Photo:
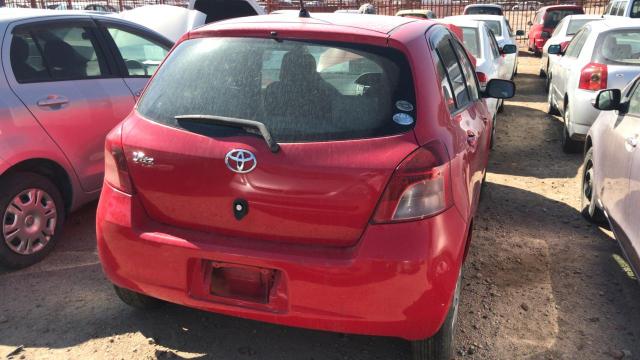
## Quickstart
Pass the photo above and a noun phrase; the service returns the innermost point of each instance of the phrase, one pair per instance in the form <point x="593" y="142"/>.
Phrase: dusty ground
<point x="540" y="282"/>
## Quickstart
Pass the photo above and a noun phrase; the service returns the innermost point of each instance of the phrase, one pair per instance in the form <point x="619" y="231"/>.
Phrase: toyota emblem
<point x="240" y="161"/>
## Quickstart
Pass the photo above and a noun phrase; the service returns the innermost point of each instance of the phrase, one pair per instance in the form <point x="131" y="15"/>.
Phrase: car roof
<point x="480" y="17"/>
<point x="13" y="14"/>
<point x="583" y="17"/>
<point x="354" y="23"/>
<point x="613" y="24"/>
<point x="559" y="7"/>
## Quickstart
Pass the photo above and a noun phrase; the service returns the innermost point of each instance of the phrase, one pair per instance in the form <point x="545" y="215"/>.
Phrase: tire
<point x="137" y="300"/>
<point x="542" y="74"/>
<point x="493" y="135"/>
<point x="441" y="345"/>
<point x="569" y="145"/>
<point x="590" y="209"/>
<point x="551" y="109"/>
<point x="32" y="212"/>
<point x="547" y="83"/>
<point x="501" y="107"/>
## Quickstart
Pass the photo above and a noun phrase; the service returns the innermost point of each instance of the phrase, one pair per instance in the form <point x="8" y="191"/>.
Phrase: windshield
<point x="483" y="10"/>
<point x="575" y="25"/>
<point x="620" y="47"/>
<point x="301" y="91"/>
<point x="553" y="17"/>
<point x="471" y="41"/>
<point x="494" y="26"/>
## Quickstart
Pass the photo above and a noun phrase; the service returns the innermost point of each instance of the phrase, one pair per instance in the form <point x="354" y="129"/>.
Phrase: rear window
<point x="575" y="25"/>
<point x="553" y="17"/>
<point x="494" y="26"/>
<point x="483" y="10"/>
<point x="471" y="41"/>
<point x="619" y="47"/>
<point x="301" y="91"/>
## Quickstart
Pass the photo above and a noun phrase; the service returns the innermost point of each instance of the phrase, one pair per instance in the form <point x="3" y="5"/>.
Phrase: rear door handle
<point x="53" y="100"/>
<point x="632" y="141"/>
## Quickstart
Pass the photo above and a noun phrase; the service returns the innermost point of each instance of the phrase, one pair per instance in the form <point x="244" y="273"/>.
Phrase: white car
<point x="503" y="33"/>
<point x="562" y="35"/>
<point x="602" y="55"/>
<point x="173" y="21"/>
<point x="626" y="8"/>
<point x="480" y="42"/>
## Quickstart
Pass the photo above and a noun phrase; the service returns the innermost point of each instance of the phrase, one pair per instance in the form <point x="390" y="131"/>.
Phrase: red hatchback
<point x="545" y="22"/>
<point x="317" y="172"/>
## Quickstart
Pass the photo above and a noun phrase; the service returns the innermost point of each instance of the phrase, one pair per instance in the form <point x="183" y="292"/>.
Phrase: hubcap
<point x="29" y="221"/>
<point x="587" y="187"/>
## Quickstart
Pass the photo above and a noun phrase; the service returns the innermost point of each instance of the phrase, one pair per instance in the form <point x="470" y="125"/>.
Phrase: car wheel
<point x="440" y="345"/>
<point x="32" y="213"/>
<point x="493" y="134"/>
<point x="551" y="108"/>
<point x="547" y="82"/>
<point x="501" y="106"/>
<point x="590" y="209"/>
<point x="137" y="300"/>
<point x="541" y="74"/>
<point x="569" y="145"/>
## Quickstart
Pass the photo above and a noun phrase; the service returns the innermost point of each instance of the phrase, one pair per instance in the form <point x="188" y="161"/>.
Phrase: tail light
<point x="116" y="173"/>
<point x="420" y="187"/>
<point x="482" y="78"/>
<point x="594" y="77"/>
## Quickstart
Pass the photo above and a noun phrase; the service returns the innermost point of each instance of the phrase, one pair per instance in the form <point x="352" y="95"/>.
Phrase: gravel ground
<point x="540" y="282"/>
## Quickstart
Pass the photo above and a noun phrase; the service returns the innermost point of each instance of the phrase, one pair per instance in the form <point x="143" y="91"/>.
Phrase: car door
<point x="138" y="52"/>
<point x="468" y="111"/>
<point x="62" y="73"/>
<point x="499" y="61"/>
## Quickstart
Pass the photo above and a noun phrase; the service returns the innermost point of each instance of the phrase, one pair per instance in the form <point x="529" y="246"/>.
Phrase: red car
<point x="317" y="172"/>
<point x="545" y="21"/>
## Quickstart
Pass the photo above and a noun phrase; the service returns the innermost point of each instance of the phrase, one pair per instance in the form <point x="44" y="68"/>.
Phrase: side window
<point x="573" y="50"/>
<point x="607" y="10"/>
<point x="141" y="55"/>
<point x="635" y="9"/>
<point x="468" y="70"/>
<point x="495" y="49"/>
<point x="454" y="70"/>
<point x="64" y="52"/>
<point x="445" y="84"/>
<point x="27" y="63"/>
<point x="634" y="102"/>
<point x="622" y="8"/>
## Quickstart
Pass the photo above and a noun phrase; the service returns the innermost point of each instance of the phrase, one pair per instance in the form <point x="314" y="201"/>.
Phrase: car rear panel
<point x="308" y="193"/>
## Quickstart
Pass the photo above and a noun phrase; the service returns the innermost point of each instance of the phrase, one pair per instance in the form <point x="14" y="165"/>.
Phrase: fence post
<point x="120" y="5"/>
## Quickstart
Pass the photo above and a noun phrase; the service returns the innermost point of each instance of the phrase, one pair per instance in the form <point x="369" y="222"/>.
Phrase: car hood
<point x="169" y="21"/>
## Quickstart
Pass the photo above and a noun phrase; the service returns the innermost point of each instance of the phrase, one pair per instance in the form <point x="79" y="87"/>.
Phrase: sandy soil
<point x="540" y="282"/>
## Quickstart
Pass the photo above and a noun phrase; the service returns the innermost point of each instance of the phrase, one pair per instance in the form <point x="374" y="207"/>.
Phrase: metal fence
<point x="519" y="12"/>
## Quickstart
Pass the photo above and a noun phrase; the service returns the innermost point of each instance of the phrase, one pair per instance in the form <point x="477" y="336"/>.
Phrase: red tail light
<point x="116" y="173"/>
<point x="482" y="78"/>
<point x="420" y="187"/>
<point x="593" y="77"/>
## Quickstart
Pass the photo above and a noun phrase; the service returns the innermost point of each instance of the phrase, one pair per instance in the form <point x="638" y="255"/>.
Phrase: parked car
<point x="68" y="79"/>
<point x="481" y="43"/>
<point x="611" y="172"/>
<point x="101" y="8"/>
<point x="545" y="22"/>
<point x="603" y="54"/>
<point x="417" y="13"/>
<point x="483" y="9"/>
<point x="527" y="6"/>
<point x="501" y="28"/>
<point x="623" y="8"/>
<point x="174" y="21"/>
<point x="294" y="168"/>
<point x="562" y="35"/>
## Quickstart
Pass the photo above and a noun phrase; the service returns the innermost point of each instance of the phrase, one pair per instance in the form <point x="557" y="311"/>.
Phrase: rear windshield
<point x="301" y="91"/>
<point x="494" y="26"/>
<point x="471" y="41"/>
<point x="483" y="10"/>
<point x="575" y="25"/>
<point x="619" y="47"/>
<point x="553" y="17"/>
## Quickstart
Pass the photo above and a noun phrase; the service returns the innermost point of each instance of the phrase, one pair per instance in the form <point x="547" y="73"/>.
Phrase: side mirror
<point x="520" y="33"/>
<point x="608" y="100"/>
<point x="509" y="49"/>
<point x="555" y="49"/>
<point x="499" y="89"/>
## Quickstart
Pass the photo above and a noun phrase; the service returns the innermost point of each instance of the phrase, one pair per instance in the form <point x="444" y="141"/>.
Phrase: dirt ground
<point x="540" y="282"/>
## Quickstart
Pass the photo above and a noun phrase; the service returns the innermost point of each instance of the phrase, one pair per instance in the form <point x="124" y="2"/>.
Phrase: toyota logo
<point x="240" y="161"/>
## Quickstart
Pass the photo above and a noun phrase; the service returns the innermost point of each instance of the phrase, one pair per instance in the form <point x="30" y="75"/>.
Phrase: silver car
<point x="68" y="78"/>
<point x="602" y="55"/>
<point x="611" y="175"/>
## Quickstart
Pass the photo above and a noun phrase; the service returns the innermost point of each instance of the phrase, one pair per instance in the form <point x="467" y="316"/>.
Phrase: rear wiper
<point x="247" y="125"/>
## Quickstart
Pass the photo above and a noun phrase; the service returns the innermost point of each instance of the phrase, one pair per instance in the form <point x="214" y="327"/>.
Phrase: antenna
<point x="303" y="11"/>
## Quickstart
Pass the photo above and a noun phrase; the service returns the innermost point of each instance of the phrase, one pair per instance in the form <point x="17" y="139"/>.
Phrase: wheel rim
<point x="587" y="183"/>
<point x="29" y="221"/>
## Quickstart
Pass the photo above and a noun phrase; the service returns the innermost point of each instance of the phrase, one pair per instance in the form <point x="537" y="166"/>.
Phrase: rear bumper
<point x="398" y="281"/>
<point x="583" y="114"/>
